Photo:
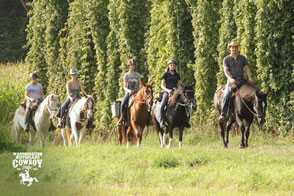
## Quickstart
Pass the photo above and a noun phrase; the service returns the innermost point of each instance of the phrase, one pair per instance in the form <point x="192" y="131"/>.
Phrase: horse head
<point x="52" y="105"/>
<point x="88" y="105"/>
<point x="260" y="106"/>
<point x="147" y="94"/>
<point x="186" y="94"/>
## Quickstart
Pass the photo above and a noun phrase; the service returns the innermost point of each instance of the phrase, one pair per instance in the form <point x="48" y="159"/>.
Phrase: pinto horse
<point x="248" y="102"/>
<point x="77" y="119"/>
<point x="44" y="112"/>
<point x="182" y="102"/>
<point x="138" y="111"/>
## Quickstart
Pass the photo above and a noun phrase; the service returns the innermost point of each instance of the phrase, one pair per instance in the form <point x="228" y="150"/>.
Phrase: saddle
<point x="66" y="119"/>
<point x="159" y="96"/>
<point x="33" y="107"/>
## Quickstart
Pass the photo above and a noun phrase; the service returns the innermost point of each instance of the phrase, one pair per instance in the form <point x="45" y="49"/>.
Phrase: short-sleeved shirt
<point x="235" y="65"/>
<point x="34" y="90"/>
<point x="171" y="80"/>
<point x="133" y="80"/>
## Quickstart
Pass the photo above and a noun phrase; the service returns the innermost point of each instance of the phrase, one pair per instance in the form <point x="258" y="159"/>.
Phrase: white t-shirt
<point x="34" y="90"/>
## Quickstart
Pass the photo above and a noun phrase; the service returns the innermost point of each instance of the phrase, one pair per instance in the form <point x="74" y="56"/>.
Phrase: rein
<point x="85" y="110"/>
<point x="254" y="113"/>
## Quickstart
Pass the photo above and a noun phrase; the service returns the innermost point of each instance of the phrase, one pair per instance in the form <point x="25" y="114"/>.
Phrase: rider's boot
<point x="60" y="123"/>
<point x="223" y="116"/>
<point x="90" y="124"/>
<point x="52" y="126"/>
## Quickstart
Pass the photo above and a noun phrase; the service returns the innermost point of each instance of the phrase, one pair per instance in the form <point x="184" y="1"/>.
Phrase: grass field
<point x="94" y="168"/>
<point x="201" y="167"/>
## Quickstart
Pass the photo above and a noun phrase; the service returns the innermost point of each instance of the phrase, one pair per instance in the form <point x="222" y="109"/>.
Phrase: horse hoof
<point x="225" y="147"/>
<point x="241" y="146"/>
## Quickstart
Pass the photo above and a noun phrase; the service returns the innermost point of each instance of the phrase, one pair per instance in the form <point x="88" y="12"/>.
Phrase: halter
<point x="48" y="106"/>
<point x="85" y="110"/>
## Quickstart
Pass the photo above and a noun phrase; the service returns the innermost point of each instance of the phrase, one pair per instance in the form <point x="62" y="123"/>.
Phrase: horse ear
<point x="143" y="83"/>
<point x="152" y="83"/>
<point x="93" y="94"/>
<point x="85" y="95"/>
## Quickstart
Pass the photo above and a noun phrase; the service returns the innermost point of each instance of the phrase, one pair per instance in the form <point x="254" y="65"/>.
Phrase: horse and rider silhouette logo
<point x="26" y="178"/>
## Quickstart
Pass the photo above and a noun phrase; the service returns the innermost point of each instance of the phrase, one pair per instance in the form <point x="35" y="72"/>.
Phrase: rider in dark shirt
<point x="169" y="80"/>
<point x="233" y="65"/>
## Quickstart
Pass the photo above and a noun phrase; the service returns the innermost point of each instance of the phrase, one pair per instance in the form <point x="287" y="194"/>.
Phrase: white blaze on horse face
<point x="90" y="112"/>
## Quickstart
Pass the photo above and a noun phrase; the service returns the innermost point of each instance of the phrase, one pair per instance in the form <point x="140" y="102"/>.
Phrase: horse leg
<point x="181" y="130"/>
<point x="170" y="132"/>
<point x="82" y="132"/>
<point x="42" y="137"/>
<point x="127" y="134"/>
<point x="138" y="134"/>
<point x="141" y="133"/>
<point x="32" y="137"/>
<point x="75" y="133"/>
<point x="222" y="130"/>
<point x="229" y="125"/>
<point x="64" y="136"/>
<point x="247" y="132"/>
<point x="241" y="125"/>
<point x="119" y="134"/>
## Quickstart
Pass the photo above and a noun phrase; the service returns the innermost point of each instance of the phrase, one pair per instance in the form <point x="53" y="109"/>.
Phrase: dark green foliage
<point x="205" y="17"/>
<point x="170" y="37"/>
<point x="13" y="21"/>
<point x="275" y="56"/>
<point x="227" y="32"/>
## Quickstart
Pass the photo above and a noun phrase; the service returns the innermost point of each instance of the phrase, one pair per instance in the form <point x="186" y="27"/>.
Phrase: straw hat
<point x="233" y="43"/>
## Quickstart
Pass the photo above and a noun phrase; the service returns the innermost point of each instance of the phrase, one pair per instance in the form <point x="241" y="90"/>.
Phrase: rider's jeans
<point x="227" y="96"/>
<point x="163" y="104"/>
<point x="64" y="107"/>
<point x="123" y="102"/>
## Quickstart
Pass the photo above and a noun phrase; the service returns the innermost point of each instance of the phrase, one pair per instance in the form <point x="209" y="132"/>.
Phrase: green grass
<point x="96" y="168"/>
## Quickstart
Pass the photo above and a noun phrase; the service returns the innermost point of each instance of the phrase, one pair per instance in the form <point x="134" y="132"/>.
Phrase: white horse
<point x="79" y="114"/>
<point x="44" y="112"/>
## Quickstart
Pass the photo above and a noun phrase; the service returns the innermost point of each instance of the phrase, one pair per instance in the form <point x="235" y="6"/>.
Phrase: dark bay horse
<point x="138" y="111"/>
<point x="248" y="102"/>
<point x="177" y="114"/>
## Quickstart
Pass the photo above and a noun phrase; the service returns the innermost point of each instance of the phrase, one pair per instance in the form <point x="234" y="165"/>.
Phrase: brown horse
<point x="246" y="102"/>
<point x="141" y="105"/>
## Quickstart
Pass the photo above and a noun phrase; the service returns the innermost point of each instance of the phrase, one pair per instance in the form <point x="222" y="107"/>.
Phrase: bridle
<point x="49" y="109"/>
<point x="187" y="101"/>
<point x="147" y="96"/>
<point x="85" y="109"/>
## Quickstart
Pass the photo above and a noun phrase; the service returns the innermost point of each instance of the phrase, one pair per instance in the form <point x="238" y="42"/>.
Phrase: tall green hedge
<point x="98" y="36"/>
<point x="205" y="23"/>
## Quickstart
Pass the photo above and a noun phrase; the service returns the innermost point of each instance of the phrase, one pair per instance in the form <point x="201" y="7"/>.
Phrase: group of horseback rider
<point x="233" y="65"/>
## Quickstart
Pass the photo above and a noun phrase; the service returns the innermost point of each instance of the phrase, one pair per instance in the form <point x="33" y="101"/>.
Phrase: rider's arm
<point x="125" y="86"/>
<point x="82" y="88"/>
<point x="228" y="75"/>
<point x="42" y="94"/>
<point x="164" y="87"/>
<point x="248" y="72"/>
<point x="179" y="83"/>
<point x="140" y="83"/>
<point x="68" y="91"/>
<point x="27" y="95"/>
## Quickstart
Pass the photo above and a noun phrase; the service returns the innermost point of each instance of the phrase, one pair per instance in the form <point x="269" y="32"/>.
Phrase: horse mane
<point x="138" y="95"/>
<point x="176" y="94"/>
<point x="247" y="91"/>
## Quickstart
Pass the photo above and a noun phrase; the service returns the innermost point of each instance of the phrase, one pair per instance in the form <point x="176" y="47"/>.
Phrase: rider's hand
<point x="170" y="91"/>
<point x="71" y="99"/>
<point x="232" y="80"/>
<point x="251" y="81"/>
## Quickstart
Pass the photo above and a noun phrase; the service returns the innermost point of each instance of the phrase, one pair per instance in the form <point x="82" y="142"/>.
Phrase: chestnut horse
<point x="248" y="102"/>
<point x="141" y="105"/>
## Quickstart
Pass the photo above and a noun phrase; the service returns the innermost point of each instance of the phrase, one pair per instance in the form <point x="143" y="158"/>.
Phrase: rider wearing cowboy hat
<point x="34" y="92"/>
<point x="233" y="65"/>
<point x="73" y="88"/>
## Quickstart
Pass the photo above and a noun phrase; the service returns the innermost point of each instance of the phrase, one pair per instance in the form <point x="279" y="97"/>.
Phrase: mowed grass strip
<point x="108" y="168"/>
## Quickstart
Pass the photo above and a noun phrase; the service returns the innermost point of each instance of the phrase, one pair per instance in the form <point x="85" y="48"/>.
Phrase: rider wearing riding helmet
<point x="169" y="81"/>
<point x="34" y="93"/>
<point x="132" y="84"/>
<point x="73" y="88"/>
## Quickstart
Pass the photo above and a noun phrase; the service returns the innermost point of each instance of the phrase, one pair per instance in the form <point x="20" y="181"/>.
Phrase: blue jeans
<point x="123" y="102"/>
<point x="163" y="104"/>
<point x="227" y="96"/>
<point x="64" y="107"/>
